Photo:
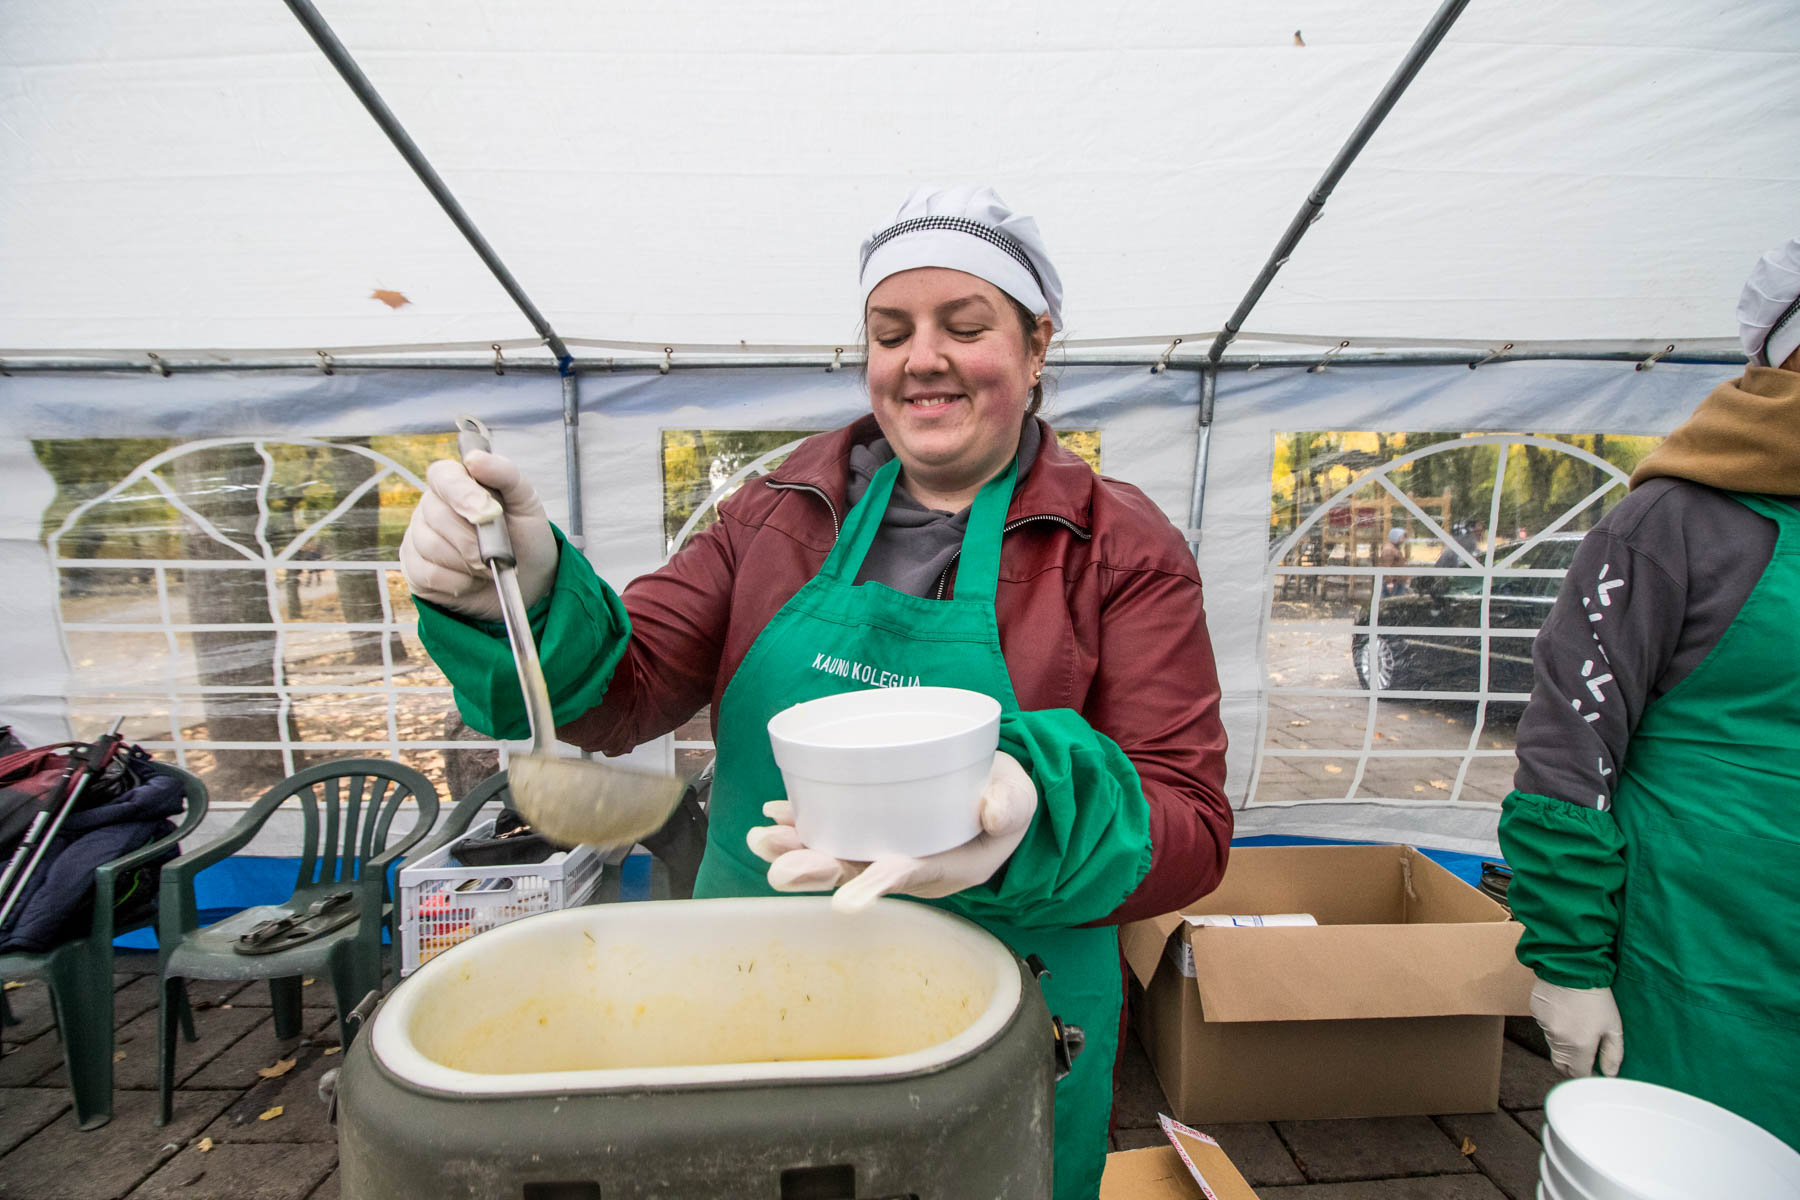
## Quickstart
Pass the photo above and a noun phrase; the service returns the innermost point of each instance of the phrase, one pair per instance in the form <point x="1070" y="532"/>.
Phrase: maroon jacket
<point x="1099" y="609"/>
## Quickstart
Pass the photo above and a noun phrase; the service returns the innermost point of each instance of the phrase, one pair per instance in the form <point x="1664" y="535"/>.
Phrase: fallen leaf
<point x="281" y="1067"/>
<point x="1333" y="769"/>
<point x="1379" y="735"/>
<point x="224" y="1006"/>
<point x="271" y="1114"/>
<point x="205" y="1145"/>
<point x="389" y="298"/>
<point x="307" y="982"/>
<point x="13" y="983"/>
<point x="1329" y="678"/>
<point x="332" y="1049"/>
<point x="1418" y="787"/>
<point x="1298" y="723"/>
<point x="1442" y="785"/>
<point x="118" y="1056"/>
<point x="1402" y="717"/>
<point x="1468" y="1147"/>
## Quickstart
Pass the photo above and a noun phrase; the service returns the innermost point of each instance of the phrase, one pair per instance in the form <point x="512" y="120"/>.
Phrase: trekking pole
<point x="82" y="767"/>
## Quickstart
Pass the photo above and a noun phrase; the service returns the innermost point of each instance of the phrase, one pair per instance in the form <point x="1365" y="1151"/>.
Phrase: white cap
<point x="1396" y="535"/>
<point x="967" y="229"/>
<point x="1768" y="311"/>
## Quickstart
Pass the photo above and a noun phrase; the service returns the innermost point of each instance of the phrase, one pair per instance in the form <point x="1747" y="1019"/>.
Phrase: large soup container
<point x="766" y="1048"/>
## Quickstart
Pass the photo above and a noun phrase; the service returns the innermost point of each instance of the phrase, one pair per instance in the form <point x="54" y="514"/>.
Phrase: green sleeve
<point x="581" y="632"/>
<point x="1568" y="865"/>
<point x="1088" y="846"/>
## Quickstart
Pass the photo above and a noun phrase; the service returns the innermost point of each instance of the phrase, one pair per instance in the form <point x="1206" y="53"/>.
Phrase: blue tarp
<point x="245" y="880"/>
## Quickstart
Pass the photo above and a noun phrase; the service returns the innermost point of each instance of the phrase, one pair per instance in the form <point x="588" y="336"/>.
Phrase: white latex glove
<point x="1007" y="805"/>
<point x="1578" y="1022"/>
<point x="439" y="556"/>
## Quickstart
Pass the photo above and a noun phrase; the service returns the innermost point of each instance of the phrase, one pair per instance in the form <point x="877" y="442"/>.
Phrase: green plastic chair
<point x="347" y="807"/>
<point x="79" y="972"/>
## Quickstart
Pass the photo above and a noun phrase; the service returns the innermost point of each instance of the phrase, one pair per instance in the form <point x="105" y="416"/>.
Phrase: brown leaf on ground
<point x="13" y="983"/>
<point x="281" y="1067"/>
<point x="118" y="1056"/>
<point x="1333" y="769"/>
<point x="1299" y="723"/>
<point x="1442" y="785"/>
<point x="390" y="298"/>
<point x="205" y="1145"/>
<point x="1468" y="1147"/>
<point x="332" y="1049"/>
<point x="271" y="1114"/>
<point x="307" y="982"/>
<point x="1402" y="717"/>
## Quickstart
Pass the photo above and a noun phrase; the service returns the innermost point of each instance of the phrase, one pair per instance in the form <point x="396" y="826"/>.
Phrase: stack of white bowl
<point x="1618" y="1139"/>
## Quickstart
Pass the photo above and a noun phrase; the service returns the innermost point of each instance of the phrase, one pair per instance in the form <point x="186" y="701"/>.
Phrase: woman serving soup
<point x="946" y="532"/>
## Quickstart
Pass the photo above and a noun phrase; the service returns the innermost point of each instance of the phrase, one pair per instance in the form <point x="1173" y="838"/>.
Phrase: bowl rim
<point x="393" y="1048"/>
<point x="781" y="725"/>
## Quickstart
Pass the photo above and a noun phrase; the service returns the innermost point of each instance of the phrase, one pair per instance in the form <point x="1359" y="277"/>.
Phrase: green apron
<point x="1708" y="982"/>
<point x="947" y="643"/>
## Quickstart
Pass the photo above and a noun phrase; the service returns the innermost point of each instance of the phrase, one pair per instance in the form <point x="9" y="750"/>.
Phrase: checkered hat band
<point x="960" y="225"/>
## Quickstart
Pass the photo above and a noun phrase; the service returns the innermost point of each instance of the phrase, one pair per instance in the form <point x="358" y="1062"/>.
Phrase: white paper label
<point x="1249" y="920"/>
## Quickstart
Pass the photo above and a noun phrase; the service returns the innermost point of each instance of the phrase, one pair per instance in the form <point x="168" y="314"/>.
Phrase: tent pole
<point x="415" y="158"/>
<point x="572" y="456"/>
<point x="106" y="361"/>
<point x="1315" y="203"/>
<point x="1209" y="388"/>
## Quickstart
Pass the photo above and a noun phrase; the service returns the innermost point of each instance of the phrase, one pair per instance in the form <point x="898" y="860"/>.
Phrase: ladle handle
<point x="497" y="552"/>
<point x="490" y="535"/>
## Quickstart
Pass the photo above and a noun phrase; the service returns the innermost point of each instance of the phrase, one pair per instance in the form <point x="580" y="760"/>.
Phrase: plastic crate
<point x="443" y="903"/>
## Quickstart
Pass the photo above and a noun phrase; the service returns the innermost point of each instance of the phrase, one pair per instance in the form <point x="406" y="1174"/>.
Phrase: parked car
<point x="1410" y="662"/>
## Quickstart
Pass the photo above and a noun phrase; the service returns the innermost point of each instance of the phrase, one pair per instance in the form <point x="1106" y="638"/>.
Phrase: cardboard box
<point x="1394" y="1004"/>
<point x="1191" y="1167"/>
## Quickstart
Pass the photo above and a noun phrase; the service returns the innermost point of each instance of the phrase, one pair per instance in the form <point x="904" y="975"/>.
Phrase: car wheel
<point x="1377" y="662"/>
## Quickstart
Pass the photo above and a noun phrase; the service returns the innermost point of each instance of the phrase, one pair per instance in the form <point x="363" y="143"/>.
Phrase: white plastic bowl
<point x="1621" y="1139"/>
<point x="887" y="770"/>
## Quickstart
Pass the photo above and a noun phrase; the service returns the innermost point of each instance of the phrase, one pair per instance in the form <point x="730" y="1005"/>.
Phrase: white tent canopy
<point x="195" y="175"/>
<point x="196" y="182"/>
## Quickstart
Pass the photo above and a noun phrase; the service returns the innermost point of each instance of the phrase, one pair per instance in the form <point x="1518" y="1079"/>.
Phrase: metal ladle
<point x="569" y="800"/>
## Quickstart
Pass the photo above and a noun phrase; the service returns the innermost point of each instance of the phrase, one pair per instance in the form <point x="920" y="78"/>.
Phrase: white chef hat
<point x="967" y="229"/>
<point x="1768" y="311"/>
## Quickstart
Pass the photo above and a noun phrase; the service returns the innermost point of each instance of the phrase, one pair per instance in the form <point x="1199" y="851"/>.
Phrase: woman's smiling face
<point x="950" y="375"/>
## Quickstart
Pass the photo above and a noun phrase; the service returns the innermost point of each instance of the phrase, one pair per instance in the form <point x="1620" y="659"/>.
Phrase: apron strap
<point x="977" y="576"/>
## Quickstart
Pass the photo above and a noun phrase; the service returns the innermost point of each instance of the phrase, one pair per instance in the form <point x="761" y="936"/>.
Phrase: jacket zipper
<point x="820" y="493"/>
<point x="1078" y="531"/>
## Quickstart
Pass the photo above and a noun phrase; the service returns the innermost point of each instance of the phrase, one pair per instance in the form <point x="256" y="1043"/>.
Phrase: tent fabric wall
<point x="1148" y="425"/>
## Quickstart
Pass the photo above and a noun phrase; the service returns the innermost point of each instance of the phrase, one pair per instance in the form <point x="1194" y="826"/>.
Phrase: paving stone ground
<point x="43" y="1156"/>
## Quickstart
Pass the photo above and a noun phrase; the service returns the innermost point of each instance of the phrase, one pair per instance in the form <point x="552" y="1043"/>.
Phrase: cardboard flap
<point x="1142" y="943"/>
<point x="1345" y="972"/>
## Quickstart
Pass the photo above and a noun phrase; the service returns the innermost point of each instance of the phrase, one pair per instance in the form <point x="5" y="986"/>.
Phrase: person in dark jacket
<point x="1654" y="829"/>
<point x="945" y="538"/>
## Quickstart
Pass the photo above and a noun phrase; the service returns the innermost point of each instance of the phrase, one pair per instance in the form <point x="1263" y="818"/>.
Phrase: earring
<point x="1036" y="375"/>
